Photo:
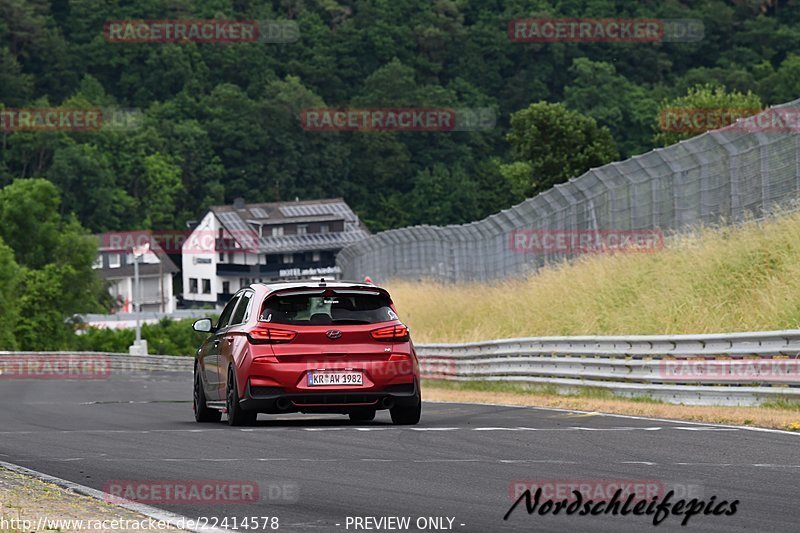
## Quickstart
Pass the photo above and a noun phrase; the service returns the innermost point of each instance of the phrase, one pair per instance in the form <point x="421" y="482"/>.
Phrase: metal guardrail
<point x="111" y="362"/>
<point x="719" y="369"/>
<point x="178" y="314"/>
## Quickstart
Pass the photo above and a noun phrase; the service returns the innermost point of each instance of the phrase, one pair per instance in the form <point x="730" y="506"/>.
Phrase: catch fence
<point x="721" y="176"/>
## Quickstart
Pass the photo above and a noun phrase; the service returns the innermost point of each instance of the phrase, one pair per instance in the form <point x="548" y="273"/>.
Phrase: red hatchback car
<point x="310" y="347"/>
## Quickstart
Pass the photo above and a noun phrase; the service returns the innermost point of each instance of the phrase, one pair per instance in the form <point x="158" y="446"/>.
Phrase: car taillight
<point x="397" y="333"/>
<point x="270" y="335"/>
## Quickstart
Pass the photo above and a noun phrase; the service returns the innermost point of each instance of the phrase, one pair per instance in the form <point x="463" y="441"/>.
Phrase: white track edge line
<point x="173" y="519"/>
<point x="633" y="417"/>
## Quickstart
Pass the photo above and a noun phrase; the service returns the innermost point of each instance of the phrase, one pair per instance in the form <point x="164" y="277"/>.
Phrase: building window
<point x="324" y="228"/>
<point x="302" y="229"/>
<point x="114" y="260"/>
<point x="226" y="287"/>
<point x="206" y="286"/>
<point x="287" y="259"/>
<point x="277" y="231"/>
<point x="230" y="257"/>
<point x="221" y="257"/>
<point x="262" y="258"/>
<point x="193" y="285"/>
<point x="315" y="257"/>
<point x="98" y="262"/>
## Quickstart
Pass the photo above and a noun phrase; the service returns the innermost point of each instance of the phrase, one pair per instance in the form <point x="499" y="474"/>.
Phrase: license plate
<point x="334" y="378"/>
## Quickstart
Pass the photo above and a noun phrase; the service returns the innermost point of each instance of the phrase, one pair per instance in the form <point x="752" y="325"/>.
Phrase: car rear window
<point x="328" y="307"/>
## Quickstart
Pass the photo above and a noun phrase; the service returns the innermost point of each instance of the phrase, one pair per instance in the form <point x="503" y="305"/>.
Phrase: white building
<point x="235" y="245"/>
<point x="156" y="270"/>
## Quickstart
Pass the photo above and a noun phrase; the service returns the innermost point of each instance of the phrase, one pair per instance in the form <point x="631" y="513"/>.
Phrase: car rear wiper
<point x="350" y="321"/>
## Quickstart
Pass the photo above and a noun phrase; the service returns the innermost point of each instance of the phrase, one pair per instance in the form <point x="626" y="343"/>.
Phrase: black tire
<point x="201" y="412"/>
<point x="404" y="415"/>
<point x="236" y="415"/>
<point x="362" y="415"/>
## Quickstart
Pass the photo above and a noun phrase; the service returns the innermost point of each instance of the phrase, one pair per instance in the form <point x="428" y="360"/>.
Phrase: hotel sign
<point x="294" y="272"/>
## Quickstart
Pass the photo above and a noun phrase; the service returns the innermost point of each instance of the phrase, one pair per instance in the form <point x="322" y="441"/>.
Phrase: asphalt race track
<point x="314" y="471"/>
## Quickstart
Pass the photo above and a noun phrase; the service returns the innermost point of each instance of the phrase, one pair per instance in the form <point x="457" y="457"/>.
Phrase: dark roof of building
<point x="242" y="221"/>
<point x="166" y="265"/>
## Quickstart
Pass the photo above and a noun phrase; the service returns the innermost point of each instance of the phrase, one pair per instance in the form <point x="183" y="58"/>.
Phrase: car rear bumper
<point x="277" y="400"/>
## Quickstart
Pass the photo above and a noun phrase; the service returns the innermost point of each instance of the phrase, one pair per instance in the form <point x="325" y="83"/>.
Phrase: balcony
<point x="223" y="298"/>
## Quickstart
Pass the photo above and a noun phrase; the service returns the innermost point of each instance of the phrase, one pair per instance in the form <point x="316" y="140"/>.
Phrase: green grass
<point x="596" y="393"/>
<point x="786" y="405"/>
<point x="715" y="280"/>
<point x="167" y="337"/>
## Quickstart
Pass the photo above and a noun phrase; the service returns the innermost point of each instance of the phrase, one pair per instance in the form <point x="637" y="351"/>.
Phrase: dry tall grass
<point x="742" y="278"/>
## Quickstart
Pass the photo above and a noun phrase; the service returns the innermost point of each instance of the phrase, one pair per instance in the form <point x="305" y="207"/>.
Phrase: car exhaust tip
<point x="387" y="403"/>
<point x="282" y="404"/>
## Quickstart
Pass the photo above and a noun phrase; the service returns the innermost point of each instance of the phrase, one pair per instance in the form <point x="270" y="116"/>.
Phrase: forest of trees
<point x="220" y="121"/>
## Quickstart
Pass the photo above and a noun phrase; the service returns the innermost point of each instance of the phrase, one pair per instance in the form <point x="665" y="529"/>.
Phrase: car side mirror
<point x="203" y="325"/>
